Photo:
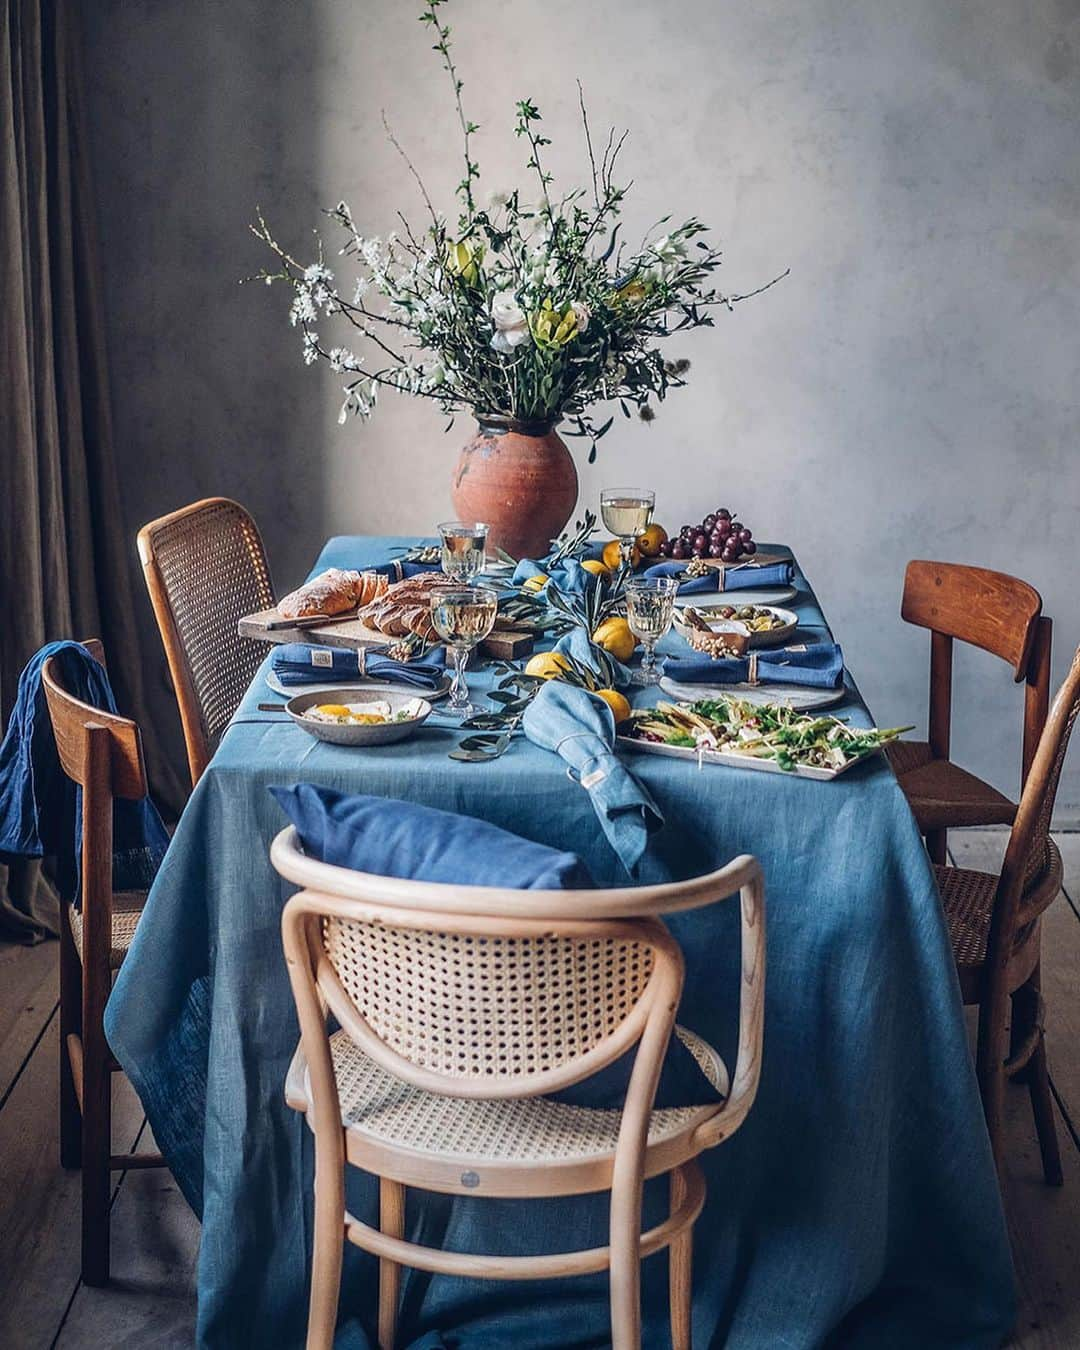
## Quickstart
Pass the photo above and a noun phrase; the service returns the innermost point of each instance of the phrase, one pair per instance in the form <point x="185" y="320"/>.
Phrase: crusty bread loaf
<point x="405" y="607"/>
<point x="334" y="591"/>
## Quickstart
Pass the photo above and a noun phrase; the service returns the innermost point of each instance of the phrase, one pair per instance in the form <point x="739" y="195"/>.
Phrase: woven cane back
<point x="1043" y="784"/>
<point x="206" y="569"/>
<point x="488" y="1008"/>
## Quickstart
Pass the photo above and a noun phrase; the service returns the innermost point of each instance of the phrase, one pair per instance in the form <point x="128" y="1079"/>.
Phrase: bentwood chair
<point x="205" y="569"/>
<point x="994" y="924"/>
<point x="456" y="1008"/>
<point x="1003" y="616"/>
<point x="102" y="753"/>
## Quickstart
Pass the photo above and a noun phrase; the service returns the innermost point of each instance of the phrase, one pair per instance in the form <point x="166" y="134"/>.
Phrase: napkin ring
<point x="751" y="669"/>
<point x="361" y="661"/>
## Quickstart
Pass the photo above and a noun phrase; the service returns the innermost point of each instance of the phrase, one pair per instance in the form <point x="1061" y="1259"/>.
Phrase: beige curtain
<point x="63" y="548"/>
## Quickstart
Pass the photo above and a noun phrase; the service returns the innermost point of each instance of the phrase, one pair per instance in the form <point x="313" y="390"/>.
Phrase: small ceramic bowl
<point x="774" y="637"/>
<point x="345" y="733"/>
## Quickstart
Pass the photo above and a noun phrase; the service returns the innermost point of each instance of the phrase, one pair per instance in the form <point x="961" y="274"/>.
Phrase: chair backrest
<point x="481" y="992"/>
<point x="206" y="568"/>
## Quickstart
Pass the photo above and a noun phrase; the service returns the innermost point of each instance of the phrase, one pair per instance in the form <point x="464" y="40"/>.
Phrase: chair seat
<point x="448" y="1138"/>
<point x="941" y="794"/>
<point x="127" y="909"/>
<point x="968" y="900"/>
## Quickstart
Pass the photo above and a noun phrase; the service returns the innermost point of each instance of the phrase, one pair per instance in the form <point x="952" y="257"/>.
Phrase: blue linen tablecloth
<point x="856" y="1207"/>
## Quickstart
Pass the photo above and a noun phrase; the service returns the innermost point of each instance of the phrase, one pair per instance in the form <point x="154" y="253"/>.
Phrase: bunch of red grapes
<point x="718" y="536"/>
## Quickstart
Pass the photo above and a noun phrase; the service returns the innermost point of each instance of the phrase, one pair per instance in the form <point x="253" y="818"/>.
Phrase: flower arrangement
<point x="532" y="310"/>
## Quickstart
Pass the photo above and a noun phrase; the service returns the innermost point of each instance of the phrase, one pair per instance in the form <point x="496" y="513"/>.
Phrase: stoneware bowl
<point x="384" y="733"/>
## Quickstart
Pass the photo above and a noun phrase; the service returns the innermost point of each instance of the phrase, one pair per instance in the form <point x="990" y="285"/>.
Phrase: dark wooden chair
<point x="1003" y="616"/>
<point x="205" y="569"/>
<point x="994" y="925"/>
<point x="103" y="754"/>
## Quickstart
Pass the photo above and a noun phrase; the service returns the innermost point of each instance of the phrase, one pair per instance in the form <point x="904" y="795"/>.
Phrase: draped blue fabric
<point x="857" y="1206"/>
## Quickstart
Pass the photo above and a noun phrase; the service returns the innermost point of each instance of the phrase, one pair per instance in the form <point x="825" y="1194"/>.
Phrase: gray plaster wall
<point x="910" y="390"/>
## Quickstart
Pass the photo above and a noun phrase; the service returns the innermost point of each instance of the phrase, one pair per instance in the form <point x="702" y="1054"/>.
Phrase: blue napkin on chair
<point x="299" y="663"/>
<point x="580" y="728"/>
<point x="732" y="577"/>
<point x="576" y="643"/>
<point x="820" y="666"/>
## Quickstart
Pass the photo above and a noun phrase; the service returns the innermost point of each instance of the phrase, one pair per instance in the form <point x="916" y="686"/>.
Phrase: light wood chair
<point x="102" y="753"/>
<point x="458" y="1007"/>
<point x="994" y="925"/>
<point x="1003" y="616"/>
<point x="205" y="569"/>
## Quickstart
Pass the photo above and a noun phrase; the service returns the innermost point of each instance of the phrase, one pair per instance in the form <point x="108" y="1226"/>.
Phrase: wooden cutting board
<point x="341" y="631"/>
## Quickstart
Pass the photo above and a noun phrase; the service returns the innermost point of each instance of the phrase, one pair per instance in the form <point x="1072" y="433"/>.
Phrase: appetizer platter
<point x="801" y="697"/>
<point x="763" y="625"/>
<point x="347" y="717"/>
<point x="769" y="737"/>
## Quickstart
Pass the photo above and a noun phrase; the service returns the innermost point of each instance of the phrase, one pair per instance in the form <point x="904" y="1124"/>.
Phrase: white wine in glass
<point x="463" y="616"/>
<point x="464" y="545"/>
<point x="650" y="605"/>
<point x="626" y="512"/>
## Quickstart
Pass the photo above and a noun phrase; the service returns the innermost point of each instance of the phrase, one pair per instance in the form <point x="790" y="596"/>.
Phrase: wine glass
<point x="626" y="513"/>
<point x="463" y="616"/>
<point x="650" y="603"/>
<point x="464" y="544"/>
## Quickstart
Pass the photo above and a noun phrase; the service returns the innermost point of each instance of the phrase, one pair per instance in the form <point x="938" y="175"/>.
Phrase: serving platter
<point x="773" y="637"/>
<point x="801" y="697"/>
<point x="738" y="595"/>
<point x="360" y="686"/>
<point x="727" y="759"/>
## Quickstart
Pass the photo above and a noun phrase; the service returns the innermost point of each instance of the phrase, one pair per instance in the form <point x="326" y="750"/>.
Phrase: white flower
<point x="316" y="273"/>
<point x="511" y="325"/>
<point x="582" y="313"/>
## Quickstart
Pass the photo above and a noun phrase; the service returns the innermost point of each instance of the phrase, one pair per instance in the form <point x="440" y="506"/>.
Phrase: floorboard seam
<point x="1066" y="1117"/>
<point x="28" y="1056"/>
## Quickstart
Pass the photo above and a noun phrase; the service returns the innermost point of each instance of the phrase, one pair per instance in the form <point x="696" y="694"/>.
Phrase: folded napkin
<point x="731" y="577"/>
<point x="576" y="644"/>
<point x="569" y="575"/>
<point x="820" y="666"/>
<point x="397" y="569"/>
<point x="298" y="663"/>
<point x="581" y="729"/>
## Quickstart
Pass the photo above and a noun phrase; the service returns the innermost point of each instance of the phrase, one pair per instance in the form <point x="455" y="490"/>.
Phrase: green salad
<point x="765" y="731"/>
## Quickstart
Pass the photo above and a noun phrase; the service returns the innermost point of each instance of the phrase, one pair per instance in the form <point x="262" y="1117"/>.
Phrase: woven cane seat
<point x="941" y="794"/>
<point x="127" y="910"/>
<point x="469" y="1133"/>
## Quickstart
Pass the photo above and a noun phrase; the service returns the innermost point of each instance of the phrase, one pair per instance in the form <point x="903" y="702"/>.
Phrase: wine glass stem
<point x="459" y="690"/>
<point x="626" y="548"/>
<point x="648" y="660"/>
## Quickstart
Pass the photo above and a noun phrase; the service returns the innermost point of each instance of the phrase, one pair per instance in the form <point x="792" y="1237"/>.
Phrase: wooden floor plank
<point x="28" y="993"/>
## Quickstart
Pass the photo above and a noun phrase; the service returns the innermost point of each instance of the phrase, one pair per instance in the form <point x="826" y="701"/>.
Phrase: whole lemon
<point x="618" y="703"/>
<point x="612" y="556"/>
<point x="614" y="636"/>
<point x="536" y="583"/>
<point x="596" y="567"/>
<point x="547" y="665"/>
<point x="649" y="542"/>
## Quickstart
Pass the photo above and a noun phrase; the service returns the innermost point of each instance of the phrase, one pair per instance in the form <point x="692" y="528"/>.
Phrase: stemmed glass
<point x="463" y="616"/>
<point x="626" y="513"/>
<point x="650" y="603"/>
<point x="464" y="544"/>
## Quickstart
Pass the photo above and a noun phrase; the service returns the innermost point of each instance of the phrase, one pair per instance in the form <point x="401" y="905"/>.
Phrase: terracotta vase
<point x="520" y="478"/>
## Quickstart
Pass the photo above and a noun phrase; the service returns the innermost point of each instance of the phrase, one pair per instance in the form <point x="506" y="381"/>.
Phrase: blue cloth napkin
<point x="299" y="663"/>
<point x="41" y="809"/>
<point x="576" y="643"/>
<point x="820" y="666"/>
<point x="581" y="729"/>
<point x="734" y="577"/>
<point x="569" y="575"/>
<point x="397" y="569"/>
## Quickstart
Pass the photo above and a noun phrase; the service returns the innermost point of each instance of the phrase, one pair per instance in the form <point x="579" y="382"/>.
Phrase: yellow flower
<point x="632" y="292"/>
<point x="550" y="328"/>
<point x="464" y="259"/>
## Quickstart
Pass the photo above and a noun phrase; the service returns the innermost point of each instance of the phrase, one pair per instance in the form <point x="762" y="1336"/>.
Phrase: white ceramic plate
<point x="748" y="595"/>
<point x="381" y="733"/>
<point x="360" y="687"/>
<point x="727" y="760"/>
<point x="797" y="696"/>
<point x="773" y="638"/>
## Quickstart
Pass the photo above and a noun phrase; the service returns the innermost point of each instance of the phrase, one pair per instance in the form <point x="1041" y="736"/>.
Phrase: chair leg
<point x="70" y="1025"/>
<point x="328" y="1251"/>
<point x="625" y="1244"/>
<point x="392" y="1223"/>
<point x="680" y="1270"/>
<point x="990" y="1071"/>
<point x="96" y="1147"/>
<point x="1042" y="1106"/>
<point x="936" y="845"/>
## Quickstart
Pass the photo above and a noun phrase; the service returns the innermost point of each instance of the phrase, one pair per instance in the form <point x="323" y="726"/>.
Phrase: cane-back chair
<point x="456" y="1008"/>
<point x="102" y="753"/>
<point x="1003" y="616"/>
<point x="994" y="924"/>
<point x="205" y="569"/>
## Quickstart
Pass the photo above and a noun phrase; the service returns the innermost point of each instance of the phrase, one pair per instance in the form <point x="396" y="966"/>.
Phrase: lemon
<point x="612" y="556"/>
<point x="596" y="567"/>
<point x="618" y="703"/>
<point x="536" y="583"/>
<point x="547" y="665"/>
<point x="649" y="543"/>
<point x="614" y="636"/>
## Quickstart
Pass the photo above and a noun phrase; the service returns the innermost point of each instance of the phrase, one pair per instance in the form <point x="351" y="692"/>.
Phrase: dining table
<point x="857" y="1206"/>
